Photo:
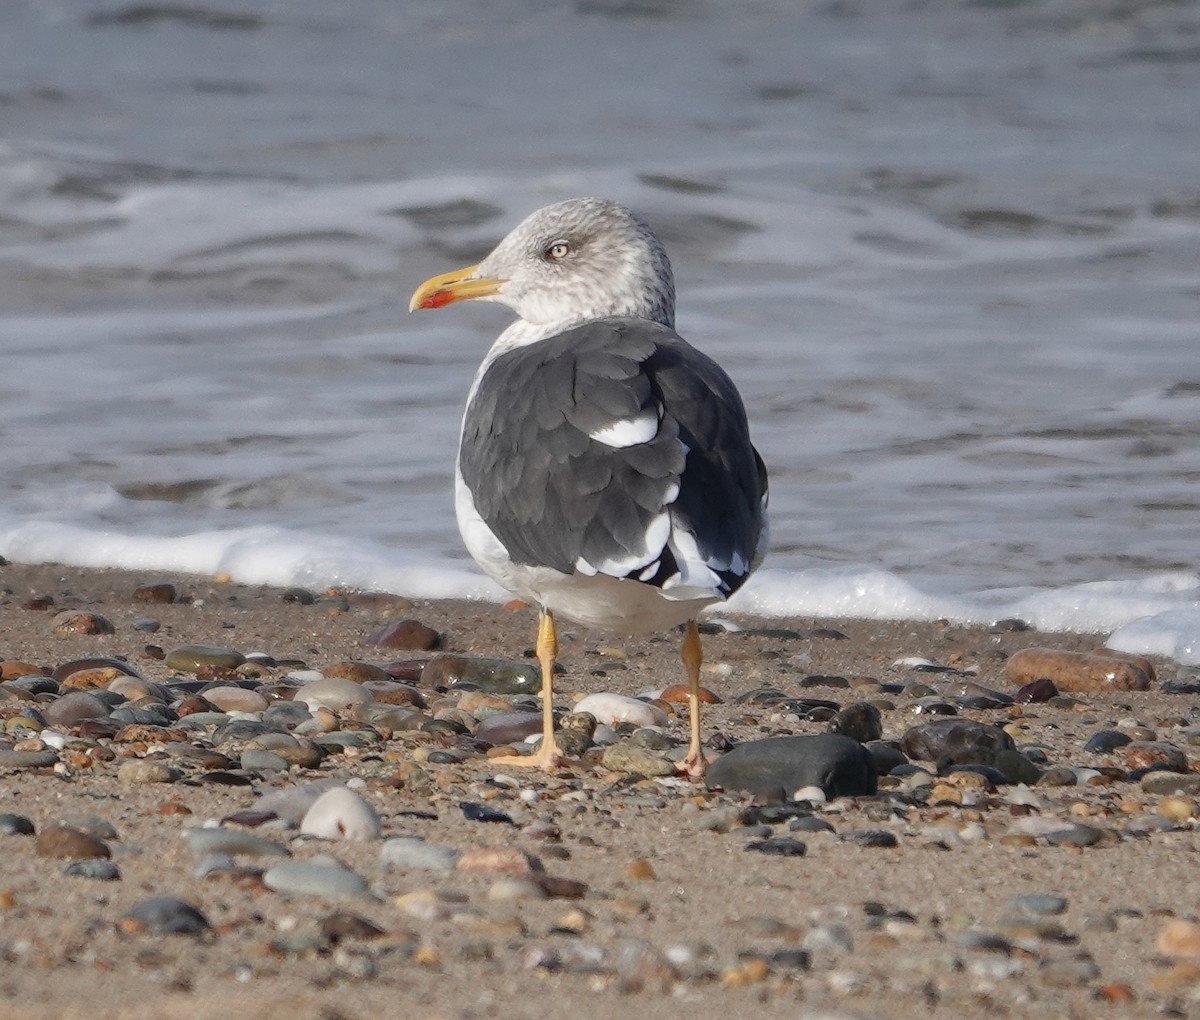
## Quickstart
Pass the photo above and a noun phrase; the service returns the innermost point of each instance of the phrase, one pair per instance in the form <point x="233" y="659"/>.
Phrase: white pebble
<point x="341" y="814"/>
<point x="610" y="709"/>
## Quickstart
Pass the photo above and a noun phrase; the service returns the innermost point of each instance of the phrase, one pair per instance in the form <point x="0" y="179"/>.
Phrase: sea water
<point x="950" y="253"/>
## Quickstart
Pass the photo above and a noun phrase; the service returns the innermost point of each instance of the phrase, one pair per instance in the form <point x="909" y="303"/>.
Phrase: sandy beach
<point x="639" y="894"/>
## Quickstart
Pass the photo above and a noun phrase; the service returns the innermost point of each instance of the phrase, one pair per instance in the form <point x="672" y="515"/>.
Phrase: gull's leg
<point x="547" y="756"/>
<point x="692" y="655"/>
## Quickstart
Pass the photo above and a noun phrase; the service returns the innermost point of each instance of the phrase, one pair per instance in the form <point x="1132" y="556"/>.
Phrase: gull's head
<point x="571" y="262"/>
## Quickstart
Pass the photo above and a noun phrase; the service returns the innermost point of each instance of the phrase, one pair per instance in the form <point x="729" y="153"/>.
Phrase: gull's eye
<point x="557" y="251"/>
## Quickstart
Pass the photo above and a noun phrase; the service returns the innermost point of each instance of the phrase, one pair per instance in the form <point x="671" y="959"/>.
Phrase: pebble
<point x="138" y="771"/>
<point x="840" y="766"/>
<point x="221" y="840"/>
<point x="495" y="676"/>
<point x="235" y="699"/>
<point x="194" y="658"/>
<point x="1179" y="938"/>
<point x="333" y="692"/>
<point x="74" y="621"/>
<point x="861" y="721"/>
<point x="509" y="727"/>
<point x="314" y="878"/>
<point x="413" y="852"/>
<point x="612" y="709"/>
<point x="292" y="803"/>
<point x="1106" y="741"/>
<point x="778" y="847"/>
<point x="407" y="634"/>
<point x="502" y="859"/>
<point x="165" y="915"/>
<point x="955" y="740"/>
<point x="341" y="813"/>
<point x="96" y="868"/>
<point x="1140" y="754"/>
<point x="629" y="758"/>
<point x="11" y="758"/>
<point x="1038" y="904"/>
<point x="64" y="841"/>
<point x="1078" y="671"/>
<point x="15" y="825"/>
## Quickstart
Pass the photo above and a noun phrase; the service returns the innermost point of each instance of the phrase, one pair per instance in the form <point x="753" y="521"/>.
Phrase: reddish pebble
<point x="506" y="860"/>
<point x="1180" y="938"/>
<point x="63" y="841"/>
<point x="74" y="621"/>
<point x="160" y="591"/>
<point x="681" y="692"/>
<point x="408" y="634"/>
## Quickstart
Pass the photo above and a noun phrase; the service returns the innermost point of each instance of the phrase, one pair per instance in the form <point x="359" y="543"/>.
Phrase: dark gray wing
<point x="555" y="496"/>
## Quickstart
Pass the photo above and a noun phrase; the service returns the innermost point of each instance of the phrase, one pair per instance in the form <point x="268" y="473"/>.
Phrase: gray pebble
<point x="166" y="915"/>
<point x="232" y="841"/>
<point x="1038" y="904"/>
<point x="98" y="868"/>
<point x="413" y="852"/>
<point x="313" y="878"/>
<point x="15" y="825"/>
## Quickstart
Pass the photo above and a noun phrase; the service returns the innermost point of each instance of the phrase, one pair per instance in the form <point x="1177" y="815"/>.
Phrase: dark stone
<point x="860" y="721"/>
<point x="873" y="838"/>
<point x="1106" y="741"/>
<point x="15" y="825"/>
<point x="158" y="591"/>
<point x="887" y="755"/>
<point x="781" y="847"/>
<point x="166" y="915"/>
<point x="493" y="676"/>
<point x="955" y="741"/>
<point x="509" y="727"/>
<point x="1035" y="691"/>
<point x="841" y="767"/>
<point x="73" y="708"/>
<point x="96" y="868"/>
<point x="475" y="812"/>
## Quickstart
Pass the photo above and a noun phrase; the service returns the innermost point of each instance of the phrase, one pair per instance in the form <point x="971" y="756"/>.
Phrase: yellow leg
<point x="692" y="655"/>
<point x="547" y="755"/>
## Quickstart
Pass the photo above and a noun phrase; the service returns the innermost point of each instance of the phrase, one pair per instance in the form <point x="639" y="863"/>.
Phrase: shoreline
<point x="679" y="914"/>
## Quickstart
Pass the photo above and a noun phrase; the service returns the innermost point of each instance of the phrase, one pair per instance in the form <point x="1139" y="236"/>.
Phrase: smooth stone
<point x="509" y="889"/>
<point x="412" y="635"/>
<point x="507" y="860"/>
<point x="15" y="825"/>
<point x="871" y="838"/>
<point x="840" y="766"/>
<point x="286" y="713"/>
<point x="1075" y="835"/>
<point x="496" y="676"/>
<point x="777" y="847"/>
<point x="221" y="840"/>
<point x="65" y="669"/>
<point x="829" y="938"/>
<point x="77" y="621"/>
<point x="1106" y="741"/>
<point x="166" y="915"/>
<point x="11" y="759"/>
<point x="1015" y="767"/>
<point x="1180" y="938"/>
<point x="228" y="698"/>
<point x="73" y="708"/>
<point x="887" y="756"/>
<point x="313" y="878"/>
<point x="1161" y="782"/>
<point x="341" y="813"/>
<point x="292" y="803"/>
<point x="1038" y="904"/>
<point x="636" y="761"/>
<point x="137" y="771"/>
<point x="332" y="692"/>
<point x="193" y="658"/>
<point x="96" y="868"/>
<point x="135" y="688"/>
<point x="955" y="740"/>
<point x="292" y="749"/>
<point x="1077" y="671"/>
<point x="414" y="852"/>
<point x="65" y="841"/>
<point x="352" y="669"/>
<point x="1035" y="692"/>
<point x="612" y="709"/>
<point x="254" y="759"/>
<point x="1155" y="754"/>
<point x="861" y="721"/>
<point x="508" y="727"/>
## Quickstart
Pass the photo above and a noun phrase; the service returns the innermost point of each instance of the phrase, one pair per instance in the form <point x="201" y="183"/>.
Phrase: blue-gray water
<point x="950" y="253"/>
